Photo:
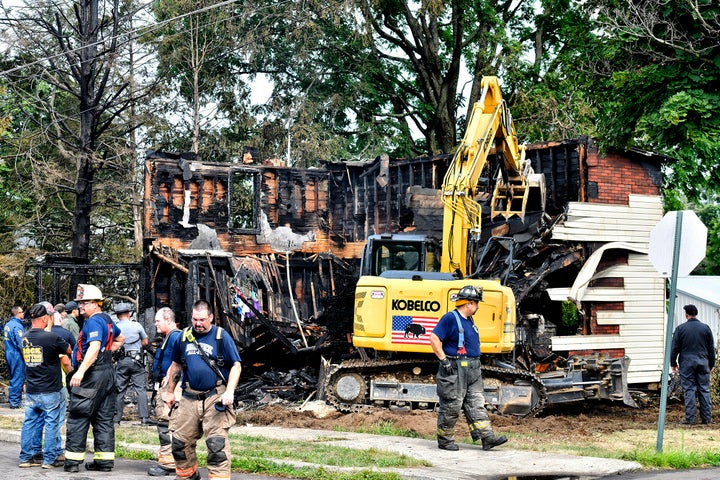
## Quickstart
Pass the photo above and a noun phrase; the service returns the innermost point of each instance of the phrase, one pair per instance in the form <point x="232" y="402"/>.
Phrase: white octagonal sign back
<point x="693" y="241"/>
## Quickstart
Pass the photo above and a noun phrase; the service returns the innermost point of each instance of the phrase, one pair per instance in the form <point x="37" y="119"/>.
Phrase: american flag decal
<point x="412" y="330"/>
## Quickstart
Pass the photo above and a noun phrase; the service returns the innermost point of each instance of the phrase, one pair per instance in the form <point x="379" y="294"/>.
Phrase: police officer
<point x="210" y="365"/>
<point x="130" y="368"/>
<point x="13" y="333"/>
<point x="92" y="385"/>
<point x="456" y="342"/>
<point x="167" y="328"/>
<point x="693" y="343"/>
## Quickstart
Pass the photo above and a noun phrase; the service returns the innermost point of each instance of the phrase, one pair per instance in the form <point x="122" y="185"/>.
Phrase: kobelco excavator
<point x="408" y="281"/>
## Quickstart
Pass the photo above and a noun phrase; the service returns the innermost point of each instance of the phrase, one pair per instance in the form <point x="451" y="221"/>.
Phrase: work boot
<point x="148" y="422"/>
<point x="96" y="467"/>
<point x="194" y="476"/>
<point x="493" y="441"/>
<point x="74" y="468"/>
<point x="453" y="447"/>
<point x="688" y="422"/>
<point x="159" y="471"/>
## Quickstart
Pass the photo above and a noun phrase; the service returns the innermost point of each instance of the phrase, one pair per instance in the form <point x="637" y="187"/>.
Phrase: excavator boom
<point x="490" y="126"/>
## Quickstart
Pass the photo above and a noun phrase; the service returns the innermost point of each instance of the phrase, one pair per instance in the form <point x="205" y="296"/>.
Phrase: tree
<point x="72" y="87"/>
<point x="353" y="78"/>
<point x="655" y="77"/>
<point x="195" y="42"/>
<point x="652" y="75"/>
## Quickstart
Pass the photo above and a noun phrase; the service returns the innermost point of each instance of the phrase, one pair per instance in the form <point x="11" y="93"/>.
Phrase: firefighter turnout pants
<point x="162" y="413"/>
<point x="193" y="418"/>
<point x="461" y="390"/>
<point x="92" y="404"/>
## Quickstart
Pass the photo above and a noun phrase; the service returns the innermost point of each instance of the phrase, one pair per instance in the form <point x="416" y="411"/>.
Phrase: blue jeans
<point x="39" y="431"/>
<point x="42" y="411"/>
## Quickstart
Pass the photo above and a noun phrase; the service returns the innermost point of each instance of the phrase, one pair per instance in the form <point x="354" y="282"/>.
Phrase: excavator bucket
<point x="518" y="195"/>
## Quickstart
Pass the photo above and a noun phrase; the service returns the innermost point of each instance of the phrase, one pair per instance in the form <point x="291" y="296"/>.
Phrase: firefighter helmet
<point x="468" y="293"/>
<point x="88" y="292"/>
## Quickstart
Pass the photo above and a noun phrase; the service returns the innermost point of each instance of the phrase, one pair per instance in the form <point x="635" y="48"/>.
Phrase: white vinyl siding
<point x="641" y="323"/>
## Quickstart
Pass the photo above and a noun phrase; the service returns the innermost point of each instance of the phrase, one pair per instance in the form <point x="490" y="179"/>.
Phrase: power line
<point x="133" y="34"/>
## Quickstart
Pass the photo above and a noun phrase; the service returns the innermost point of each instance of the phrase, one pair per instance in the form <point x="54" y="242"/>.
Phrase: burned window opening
<point x="243" y="207"/>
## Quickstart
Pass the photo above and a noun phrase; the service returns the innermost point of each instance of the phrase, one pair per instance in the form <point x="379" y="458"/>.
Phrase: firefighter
<point x="93" y="391"/>
<point x="456" y="342"/>
<point x="210" y="364"/>
<point x="167" y="328"/>
<point x="130" y="367"/>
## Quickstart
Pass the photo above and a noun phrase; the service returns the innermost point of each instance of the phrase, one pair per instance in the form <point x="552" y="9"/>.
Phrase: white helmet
<point x="88" y="292"/>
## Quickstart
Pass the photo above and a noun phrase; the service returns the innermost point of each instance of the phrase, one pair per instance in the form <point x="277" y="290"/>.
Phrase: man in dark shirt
<point x="43" y="398"/>
<point x="693" y="343"/>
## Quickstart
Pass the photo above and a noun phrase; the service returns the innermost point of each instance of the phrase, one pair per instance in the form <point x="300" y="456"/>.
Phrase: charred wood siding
<point x="562" y="164"/>
<point x="333" y="208"/>
<point x="312" y="223"/>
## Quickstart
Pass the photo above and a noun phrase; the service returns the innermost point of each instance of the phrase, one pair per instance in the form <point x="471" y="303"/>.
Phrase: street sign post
<point x="689" y="240"/>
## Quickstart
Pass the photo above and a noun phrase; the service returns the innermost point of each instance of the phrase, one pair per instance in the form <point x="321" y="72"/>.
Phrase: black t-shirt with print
<point x="41" y="351"/>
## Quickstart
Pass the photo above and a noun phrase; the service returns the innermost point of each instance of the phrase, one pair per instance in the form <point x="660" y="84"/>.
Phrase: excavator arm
<point x="490" y="126"/>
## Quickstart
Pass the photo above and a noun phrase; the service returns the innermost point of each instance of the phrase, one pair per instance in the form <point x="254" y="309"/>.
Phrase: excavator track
<point x="353" y="385"/>
<point x="514" y="377"/>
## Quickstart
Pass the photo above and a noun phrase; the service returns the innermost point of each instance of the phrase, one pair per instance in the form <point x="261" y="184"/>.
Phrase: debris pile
<point x="276" y="386"/>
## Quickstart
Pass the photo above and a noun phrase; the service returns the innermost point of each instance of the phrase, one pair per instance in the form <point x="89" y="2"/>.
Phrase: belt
<point x="463" y="357"/>
<point x="200" y="395"/>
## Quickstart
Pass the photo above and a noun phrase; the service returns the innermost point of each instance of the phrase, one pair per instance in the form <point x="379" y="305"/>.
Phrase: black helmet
<point x="469" y="293"/>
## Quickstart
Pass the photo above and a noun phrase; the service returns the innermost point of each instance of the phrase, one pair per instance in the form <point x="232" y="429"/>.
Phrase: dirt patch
<point x="573" y="422"/>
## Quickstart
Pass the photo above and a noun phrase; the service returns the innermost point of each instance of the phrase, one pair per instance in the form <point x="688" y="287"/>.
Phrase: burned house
<point x="276" y="250"/>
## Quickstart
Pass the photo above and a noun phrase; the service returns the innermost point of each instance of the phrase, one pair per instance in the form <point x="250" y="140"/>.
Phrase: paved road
<point x="124" y="469"/>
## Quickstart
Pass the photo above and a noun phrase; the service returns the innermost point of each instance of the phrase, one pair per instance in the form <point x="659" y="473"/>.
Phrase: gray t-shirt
<point x="134" y="334"/>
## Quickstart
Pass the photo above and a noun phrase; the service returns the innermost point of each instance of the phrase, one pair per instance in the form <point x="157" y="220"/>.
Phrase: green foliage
<point x="570" y="315"/>
<point x="387" y="427"/>
<point x="709" y="213"/>
<point x="655" y="87"/>
<point x="673" y="459"/>
<point x="715" y="383"/>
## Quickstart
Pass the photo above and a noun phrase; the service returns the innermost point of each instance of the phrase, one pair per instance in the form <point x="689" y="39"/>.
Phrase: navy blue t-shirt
<point x="447" y="331"/>
<point x="164" y="355"/>
<point x="94" y="329"/>
<point x="64" y="334"/>
<point x="198" y="375"/>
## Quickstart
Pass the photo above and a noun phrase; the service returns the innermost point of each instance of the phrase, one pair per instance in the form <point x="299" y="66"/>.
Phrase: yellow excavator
<point x="408" y="281"/>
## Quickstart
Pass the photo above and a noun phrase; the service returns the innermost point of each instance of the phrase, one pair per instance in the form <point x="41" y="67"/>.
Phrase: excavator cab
<point x="400" y="252"/>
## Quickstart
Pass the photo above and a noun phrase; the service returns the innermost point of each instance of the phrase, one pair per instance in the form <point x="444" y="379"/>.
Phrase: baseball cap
<point x="38" y="310"/>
